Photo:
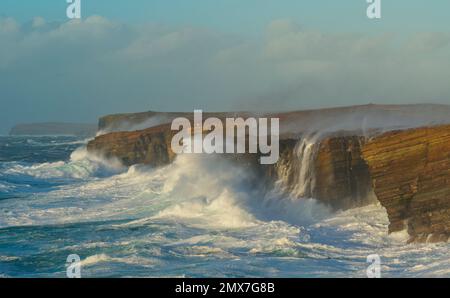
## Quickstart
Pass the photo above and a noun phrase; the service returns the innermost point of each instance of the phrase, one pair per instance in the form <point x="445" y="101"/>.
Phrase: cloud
<point x="79" y="70"/>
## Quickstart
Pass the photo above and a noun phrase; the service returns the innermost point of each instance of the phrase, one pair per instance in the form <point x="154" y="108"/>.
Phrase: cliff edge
<point x="410" y="172"/>
<point x="347" y="157"/>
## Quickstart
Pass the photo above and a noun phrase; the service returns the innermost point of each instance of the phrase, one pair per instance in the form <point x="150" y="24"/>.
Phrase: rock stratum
<point x="410" y="172"/>
<point x="344" y="157"/>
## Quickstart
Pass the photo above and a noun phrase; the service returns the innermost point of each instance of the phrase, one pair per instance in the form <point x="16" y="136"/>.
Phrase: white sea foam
<point x="81" y="165"/>
<point x="6" y="187"/>
<point x="210" y="196"/>
<point x="201" y="206"/>
<point x="55" y="142"/>
<point x="104" y="258"/>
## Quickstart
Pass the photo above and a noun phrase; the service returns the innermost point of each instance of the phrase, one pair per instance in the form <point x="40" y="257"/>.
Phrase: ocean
<point x="198" y="217"/>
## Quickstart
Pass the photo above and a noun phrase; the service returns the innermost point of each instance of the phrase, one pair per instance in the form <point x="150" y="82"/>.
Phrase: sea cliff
<point x="402" y="161"/>
<point x="410" y="172"/>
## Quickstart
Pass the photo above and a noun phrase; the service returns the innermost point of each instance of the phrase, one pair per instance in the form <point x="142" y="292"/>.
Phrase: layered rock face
<point x="407" y="170"/>
<point x="331" y="170"/>
<point x="410" y="171"/>
<point x="342" y="175"/>
<point x="150" y="146"/>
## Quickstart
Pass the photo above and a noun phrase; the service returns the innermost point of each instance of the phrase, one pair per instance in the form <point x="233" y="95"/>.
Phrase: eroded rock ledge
<point x="410" y="172"/>
<point x="150" y="146"/>
<point x="407" y="170"/>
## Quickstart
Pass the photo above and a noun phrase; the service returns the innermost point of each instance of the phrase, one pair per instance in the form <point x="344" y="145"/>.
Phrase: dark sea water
<point x="196" y="218"/>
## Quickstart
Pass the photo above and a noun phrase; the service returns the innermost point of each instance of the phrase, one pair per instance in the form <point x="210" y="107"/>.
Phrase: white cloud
<point x="98" y="66"/>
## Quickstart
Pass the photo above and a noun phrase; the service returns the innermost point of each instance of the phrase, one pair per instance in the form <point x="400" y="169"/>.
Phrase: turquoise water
<point x="198" y="217"/>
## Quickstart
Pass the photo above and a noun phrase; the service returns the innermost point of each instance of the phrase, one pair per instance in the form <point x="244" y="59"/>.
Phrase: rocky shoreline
<point x="404" y="163"/>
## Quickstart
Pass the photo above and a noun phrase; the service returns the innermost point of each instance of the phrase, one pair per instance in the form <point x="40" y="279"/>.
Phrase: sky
<point x="181" y="55"/>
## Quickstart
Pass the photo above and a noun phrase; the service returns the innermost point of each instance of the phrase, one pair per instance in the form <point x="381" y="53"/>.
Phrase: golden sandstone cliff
<point x="406" y="169"/>
<point x="410" y="172"/>
<point x="150" y="146"/>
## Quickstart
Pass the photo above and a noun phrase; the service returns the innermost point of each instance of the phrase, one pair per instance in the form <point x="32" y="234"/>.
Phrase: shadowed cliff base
<point x="344" y="157"/>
